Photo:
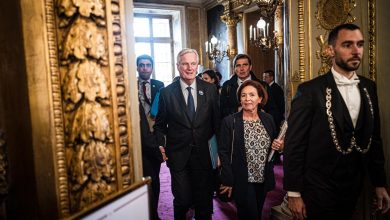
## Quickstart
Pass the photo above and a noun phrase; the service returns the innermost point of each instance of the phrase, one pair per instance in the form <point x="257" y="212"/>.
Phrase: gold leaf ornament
<point x="78" y="39"/>
<point x="92" y="81"/>
<point x="66" y="7"/>
<point x="71" y="93"/>
<point x="90" y="7"/>
<point x="98" y="161"/>
<point x="90" y="122"/>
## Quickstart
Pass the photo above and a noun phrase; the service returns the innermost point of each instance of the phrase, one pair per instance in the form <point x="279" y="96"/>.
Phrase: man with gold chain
<point x="333" y="137"/>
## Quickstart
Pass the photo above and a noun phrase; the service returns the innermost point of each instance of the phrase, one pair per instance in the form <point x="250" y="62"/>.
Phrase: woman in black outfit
<point x="246" y="140"/>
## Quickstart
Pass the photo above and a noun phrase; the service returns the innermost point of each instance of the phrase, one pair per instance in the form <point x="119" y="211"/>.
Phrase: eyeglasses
<point x="142" y="65"/>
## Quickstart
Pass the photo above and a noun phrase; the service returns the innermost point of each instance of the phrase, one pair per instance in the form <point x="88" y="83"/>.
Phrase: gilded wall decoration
<point x="301" y="44"/>
<point x="126" y="158"/>
<point x="329" y="14"/>
<point x="324" y="55"/>
<point x="86" y="101"/>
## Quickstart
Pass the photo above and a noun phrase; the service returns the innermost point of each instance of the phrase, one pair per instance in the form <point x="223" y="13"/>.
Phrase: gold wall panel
<point x="89" y="91"/>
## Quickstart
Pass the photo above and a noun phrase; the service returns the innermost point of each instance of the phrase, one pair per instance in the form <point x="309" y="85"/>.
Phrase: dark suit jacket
<point x="234" y="171"/>
<point x="155" y="86"/>
<point x="312" y="165"/>
<point x="230" y="103"/>
<point x="173" y="121"/>
<point x="278" y="95"/>
<point x="151" y="154"/>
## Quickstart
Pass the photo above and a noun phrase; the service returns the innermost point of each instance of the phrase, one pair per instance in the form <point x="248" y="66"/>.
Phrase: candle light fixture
<point x="259" y="35"/>
<point x="216" y="50"/>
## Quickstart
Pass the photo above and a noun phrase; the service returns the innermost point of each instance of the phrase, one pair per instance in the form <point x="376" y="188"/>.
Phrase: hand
<point x="278" y="145"/>
<point x="297" y="207"/>
<point x="226" y="189"/>
<point x="218" y="162"/>
<point x="164" y="156"/>
<point x="382" y="200"/>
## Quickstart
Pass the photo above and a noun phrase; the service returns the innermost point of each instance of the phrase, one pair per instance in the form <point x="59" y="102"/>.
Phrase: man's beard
<point x="346" y="66"/>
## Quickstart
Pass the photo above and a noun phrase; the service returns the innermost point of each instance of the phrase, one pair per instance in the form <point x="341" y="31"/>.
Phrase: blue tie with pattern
<point x="190" y="104"/>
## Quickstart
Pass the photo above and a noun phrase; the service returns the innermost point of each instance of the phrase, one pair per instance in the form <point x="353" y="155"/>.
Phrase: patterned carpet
<point x="222" y="211"/>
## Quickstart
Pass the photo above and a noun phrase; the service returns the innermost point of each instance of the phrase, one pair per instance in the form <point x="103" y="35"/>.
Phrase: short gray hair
<point x="185" y="51"/>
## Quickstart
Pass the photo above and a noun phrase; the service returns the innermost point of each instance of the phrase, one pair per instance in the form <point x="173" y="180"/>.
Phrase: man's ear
<point x="330" y="50"/>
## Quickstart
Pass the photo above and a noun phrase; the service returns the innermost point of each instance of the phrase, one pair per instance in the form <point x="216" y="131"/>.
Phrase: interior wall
<point x="217" y="28"/>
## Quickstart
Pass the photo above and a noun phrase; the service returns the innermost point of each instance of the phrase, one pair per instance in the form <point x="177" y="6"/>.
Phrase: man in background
<point x="188" y="116"/>
<point x="242" y="64"/>
<point x="151" y="156"/>
<point x="277" y="94"/>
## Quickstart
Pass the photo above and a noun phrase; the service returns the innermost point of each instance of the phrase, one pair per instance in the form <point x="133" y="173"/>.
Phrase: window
<point x="154" y="36"/>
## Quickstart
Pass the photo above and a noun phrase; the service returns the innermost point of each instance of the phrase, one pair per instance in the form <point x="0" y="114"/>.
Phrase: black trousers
<point x="193" y="187"/>
<point x="152" y="168"/>
<point x="252" y="207"/>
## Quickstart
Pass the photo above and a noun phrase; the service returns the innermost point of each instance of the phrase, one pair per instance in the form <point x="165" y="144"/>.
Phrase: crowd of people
<point x="333" y="135"/>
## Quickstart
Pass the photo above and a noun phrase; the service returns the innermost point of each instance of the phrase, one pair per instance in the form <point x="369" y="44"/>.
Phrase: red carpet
<point x="222" y="211"/>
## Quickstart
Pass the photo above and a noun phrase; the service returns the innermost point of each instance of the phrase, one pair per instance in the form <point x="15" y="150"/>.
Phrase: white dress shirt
<point x="184" y="90"/>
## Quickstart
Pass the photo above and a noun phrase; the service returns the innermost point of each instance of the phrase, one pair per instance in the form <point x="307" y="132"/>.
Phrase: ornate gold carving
<point x="126" y="158"/>
<point x="372" y="39"/>
<point x="301" y="40"/>
<point x="231" y="18"/>
<point x="3" y="168"/>
<point x="60" y="152"/>
<point x="331" y="13"/>
<point x="86" y="100"/>
<point x="323" y="55"/>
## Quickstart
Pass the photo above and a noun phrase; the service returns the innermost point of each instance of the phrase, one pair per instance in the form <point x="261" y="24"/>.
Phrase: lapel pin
<point x="200" y="92"/>
<point x="153" y="85"/>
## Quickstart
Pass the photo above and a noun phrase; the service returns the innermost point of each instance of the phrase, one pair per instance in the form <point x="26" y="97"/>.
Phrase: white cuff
<point x="293" y="194"/>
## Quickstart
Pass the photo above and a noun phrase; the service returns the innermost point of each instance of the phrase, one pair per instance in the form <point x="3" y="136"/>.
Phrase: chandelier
<point x="259" y="35"/>
<point x="216" y="50"/>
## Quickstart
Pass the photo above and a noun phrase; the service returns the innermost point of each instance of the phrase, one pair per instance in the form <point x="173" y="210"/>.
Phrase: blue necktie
<point x="190" y="104"/>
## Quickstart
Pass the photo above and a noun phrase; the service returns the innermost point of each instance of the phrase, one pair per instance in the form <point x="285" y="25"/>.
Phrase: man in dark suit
<point x="242" y="64"/>
<point x="189" y="116"/>
<point x="334" y="136"/>
<point x="147" y="87"/>
<point x="277" y="94"/>
<point x="151" y="156"/>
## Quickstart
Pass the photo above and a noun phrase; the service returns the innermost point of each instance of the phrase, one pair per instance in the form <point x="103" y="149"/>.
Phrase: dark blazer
<point x="312" y="165"/>
<point x="234" y="170"/>
<point x="155" y="86"/>
<point x="150" y="149"/>
<point x="278" y="95"/>
<point x="173" y="121"/>
<point x="229" y="102"/>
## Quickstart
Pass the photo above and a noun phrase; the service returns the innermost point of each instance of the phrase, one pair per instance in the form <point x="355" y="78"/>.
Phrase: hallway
<point x="222" y="211"/>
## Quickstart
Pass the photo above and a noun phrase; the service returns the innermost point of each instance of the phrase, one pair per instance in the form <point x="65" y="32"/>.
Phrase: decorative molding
<point x="55" y="81"/>
<point x="126" y="158"/>
<point x="372" y="39"/>
<point x="301" y="42"/>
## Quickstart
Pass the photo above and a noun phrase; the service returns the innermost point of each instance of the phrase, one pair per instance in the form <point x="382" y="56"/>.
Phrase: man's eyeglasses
<point x="142" y="65"/>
